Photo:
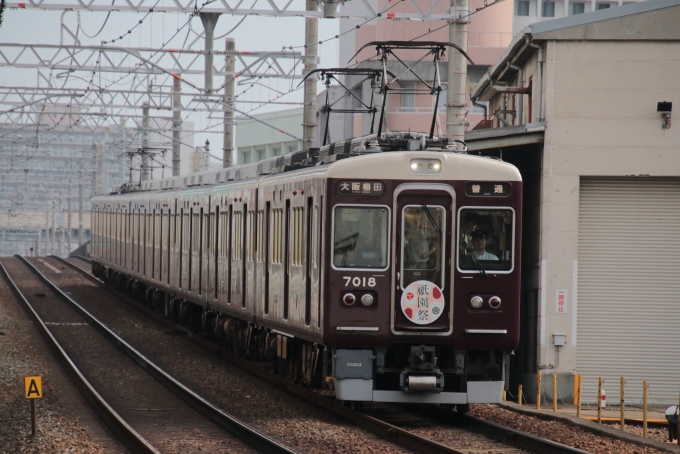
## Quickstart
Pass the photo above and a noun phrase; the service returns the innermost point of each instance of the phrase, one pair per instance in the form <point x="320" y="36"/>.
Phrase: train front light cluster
<point x="425" y="166"/>
<point x="349" y="299"/>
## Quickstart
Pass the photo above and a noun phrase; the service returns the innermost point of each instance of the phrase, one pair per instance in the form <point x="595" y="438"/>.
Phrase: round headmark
<point x="422" y="302"/>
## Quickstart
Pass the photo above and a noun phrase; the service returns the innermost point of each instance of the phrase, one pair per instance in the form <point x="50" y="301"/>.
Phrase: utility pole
<point x="47" y="227"/>
<point x="146" y="162"/>
<point x="311" y="50"/>
<point x="209" y="21"/>
<point x="456" y="101"/>
<point x="229" y="67"/>
<point x="80" y="209"/>
<point x="52" y="232"/>
<point x="206" y="157"/>
<point x="68" y="222"/>
<point x="176" y="124"/>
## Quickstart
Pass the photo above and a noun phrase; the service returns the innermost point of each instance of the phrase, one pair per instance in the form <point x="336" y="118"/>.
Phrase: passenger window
<point x="485" y="239"/>
<point x="360" y="237"/>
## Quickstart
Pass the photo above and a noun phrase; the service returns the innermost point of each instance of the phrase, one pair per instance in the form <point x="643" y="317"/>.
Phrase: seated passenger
<point x="479" y="244"/>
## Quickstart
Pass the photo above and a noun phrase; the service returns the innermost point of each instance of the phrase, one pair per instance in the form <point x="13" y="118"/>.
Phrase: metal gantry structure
<point x="56" y="107"/>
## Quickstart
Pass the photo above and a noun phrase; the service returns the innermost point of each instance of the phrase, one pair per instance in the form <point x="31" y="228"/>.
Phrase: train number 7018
<point x="359" y="281"/>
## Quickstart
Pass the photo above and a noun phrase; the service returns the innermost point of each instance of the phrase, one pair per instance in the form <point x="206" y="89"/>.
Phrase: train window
<point x="185" y="232"/>
<point x="297" y="235"/>
<point x="236" y="236"/>
<point x="195" y="229"/>
<point x="251" y="234"/>
<point x="485" y="239"/>
<point x="276" y="235"/>
<point x="423" y="244"/>
<point x="260" y="236"/>
<point x="360" y="237"/>
<point x="224" y="233"/>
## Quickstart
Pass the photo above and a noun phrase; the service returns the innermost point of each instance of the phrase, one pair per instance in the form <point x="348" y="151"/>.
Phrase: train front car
<point x="422" y="276"/>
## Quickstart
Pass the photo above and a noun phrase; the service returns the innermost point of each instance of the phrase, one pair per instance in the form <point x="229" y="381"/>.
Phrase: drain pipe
<point x="539" y="82"/>
<point x="520" y="97"/>
<point x="475" y="102"/>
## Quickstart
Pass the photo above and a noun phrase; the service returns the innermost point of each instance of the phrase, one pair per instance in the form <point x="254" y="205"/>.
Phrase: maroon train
<point x="390" y="265"/>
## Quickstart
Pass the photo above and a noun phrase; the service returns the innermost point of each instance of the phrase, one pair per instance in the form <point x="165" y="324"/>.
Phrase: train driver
<point x="479" y="245"/>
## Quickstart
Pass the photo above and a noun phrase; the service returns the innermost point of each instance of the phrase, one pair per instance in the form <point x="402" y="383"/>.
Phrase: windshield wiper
<point x="429" y="216"/>
<point x="481" y="269"/>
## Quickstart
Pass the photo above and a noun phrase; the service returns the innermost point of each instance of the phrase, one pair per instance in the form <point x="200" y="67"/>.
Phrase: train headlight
<point x="349" y="299"/>
<point x="425" y="166"/>
<point x="367" y="300"/>
<point x="476" y="302"/>
<point x="494" y="302"/>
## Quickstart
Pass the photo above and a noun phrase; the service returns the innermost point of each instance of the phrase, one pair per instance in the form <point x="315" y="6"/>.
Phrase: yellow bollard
<point x="599" y="400"/>
<point x="554" y="392"/>
<point x="623" y="406"/>
<point x="505" y="396"/>
<point x="519" y="395"/>
<point x="644" y="409"/>
<point x="579" y="386"/>
<point x="538" y="390"/>
<point x="575" y="387"/>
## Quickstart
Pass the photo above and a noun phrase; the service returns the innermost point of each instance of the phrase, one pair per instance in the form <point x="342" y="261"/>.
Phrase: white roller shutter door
<point x="629" y="287"/>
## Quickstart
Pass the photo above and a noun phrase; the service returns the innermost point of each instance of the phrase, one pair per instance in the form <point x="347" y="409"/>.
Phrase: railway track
<point x="141" y="405"/>
<point x="397" y="424"/>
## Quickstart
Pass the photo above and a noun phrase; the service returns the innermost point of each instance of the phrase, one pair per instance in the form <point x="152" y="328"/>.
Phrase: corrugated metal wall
<point x="629" y="287"/>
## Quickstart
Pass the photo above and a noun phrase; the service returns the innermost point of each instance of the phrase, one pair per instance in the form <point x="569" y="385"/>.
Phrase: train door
<point x="422" y="249"/>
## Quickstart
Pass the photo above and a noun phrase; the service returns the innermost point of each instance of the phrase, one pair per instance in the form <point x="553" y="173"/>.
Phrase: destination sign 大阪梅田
<point x="350" y="187"/>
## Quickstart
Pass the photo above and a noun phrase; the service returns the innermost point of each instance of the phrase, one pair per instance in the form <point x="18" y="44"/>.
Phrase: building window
<point x="522" y="8"/>
<point x="548" y="9"/>
<point x="600" y="6"/>
<point x="246" y="157"/>
<point x="577" y="8"/>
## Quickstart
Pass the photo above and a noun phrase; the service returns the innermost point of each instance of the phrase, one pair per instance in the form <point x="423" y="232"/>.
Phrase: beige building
<point x="601" y="233"/>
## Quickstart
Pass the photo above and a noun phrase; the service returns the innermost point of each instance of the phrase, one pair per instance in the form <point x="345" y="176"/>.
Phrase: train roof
<point x="366" y="149"/>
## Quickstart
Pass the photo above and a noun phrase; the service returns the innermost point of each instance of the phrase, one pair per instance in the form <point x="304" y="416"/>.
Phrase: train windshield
<point x="422" y="227"/>
<point x="360" y="237"/>
<point x="485" y="239"/>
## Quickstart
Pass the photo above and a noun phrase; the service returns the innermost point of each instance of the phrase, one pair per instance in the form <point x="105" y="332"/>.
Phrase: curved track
<point x="391" y="422"/>
<point x="159" y="415"/>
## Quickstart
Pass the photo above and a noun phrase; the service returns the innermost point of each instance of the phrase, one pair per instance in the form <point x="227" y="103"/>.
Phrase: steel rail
<point x="120" y="429"/>
<point x="232" y="425"/>
<point x="381" y="428"/>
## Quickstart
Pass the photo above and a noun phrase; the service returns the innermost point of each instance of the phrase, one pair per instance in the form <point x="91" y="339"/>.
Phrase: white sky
<point x="255" y="33"/>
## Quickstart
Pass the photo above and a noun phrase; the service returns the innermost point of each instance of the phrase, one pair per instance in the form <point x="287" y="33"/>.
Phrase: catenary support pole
<point x="69" y="226"/>
<point x="229" y="66"/>
<point x="311" y="52"/>
<point x="146" y="162"/>
<point x="209" y="21"/>
<point x="456" y="101"/>
<point x="176" y="124"/>
<point x="80" y="209"/>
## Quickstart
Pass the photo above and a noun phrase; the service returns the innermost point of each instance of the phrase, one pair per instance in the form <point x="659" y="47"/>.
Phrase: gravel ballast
<point x="64" y="424"/>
